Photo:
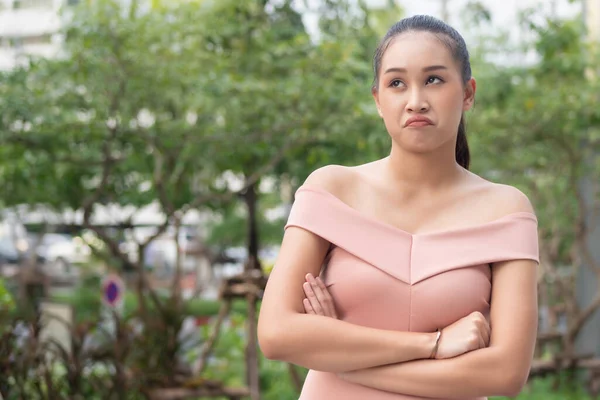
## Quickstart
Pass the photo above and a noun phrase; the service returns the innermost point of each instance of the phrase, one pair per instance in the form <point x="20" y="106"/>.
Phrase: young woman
<point x="429" y="280"/>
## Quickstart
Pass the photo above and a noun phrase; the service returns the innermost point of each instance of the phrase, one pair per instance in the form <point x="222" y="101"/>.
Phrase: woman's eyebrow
<point x="426" y="69"/>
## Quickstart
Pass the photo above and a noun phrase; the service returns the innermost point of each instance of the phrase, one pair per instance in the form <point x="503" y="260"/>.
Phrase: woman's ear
<point x="469" y="97"/>
<point x="375" y="94"/>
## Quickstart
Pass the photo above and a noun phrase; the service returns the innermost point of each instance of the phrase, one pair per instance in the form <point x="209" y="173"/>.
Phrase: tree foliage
<point x="536" y="126"/>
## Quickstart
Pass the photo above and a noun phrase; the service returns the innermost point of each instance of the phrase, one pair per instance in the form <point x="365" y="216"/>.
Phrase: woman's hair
<point x="454" y="42"/>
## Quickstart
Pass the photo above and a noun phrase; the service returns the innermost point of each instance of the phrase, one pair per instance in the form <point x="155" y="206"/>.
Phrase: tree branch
<point x="251" y="180"/>
<point x="582" y="318"/>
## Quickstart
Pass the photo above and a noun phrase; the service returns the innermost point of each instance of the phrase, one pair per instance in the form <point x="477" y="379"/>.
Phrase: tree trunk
<point x="140" y="283"/>
<point x="176" y="288"/>
<point x="250" y="268"/>
<point x="251" y="200"/>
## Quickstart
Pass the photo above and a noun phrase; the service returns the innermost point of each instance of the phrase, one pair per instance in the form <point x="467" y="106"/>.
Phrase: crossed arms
<point x="391" y="360"/>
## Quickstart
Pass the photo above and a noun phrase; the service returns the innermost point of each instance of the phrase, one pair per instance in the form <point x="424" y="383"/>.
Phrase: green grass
<point x="542" y="389"/>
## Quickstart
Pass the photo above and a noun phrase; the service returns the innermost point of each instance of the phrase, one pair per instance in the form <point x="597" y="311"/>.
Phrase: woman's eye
<point x="396" y="83"/>
<point x="433" y="79"/>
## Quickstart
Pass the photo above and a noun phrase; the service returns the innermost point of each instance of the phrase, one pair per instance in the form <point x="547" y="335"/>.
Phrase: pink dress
<point x="383" y="277"/>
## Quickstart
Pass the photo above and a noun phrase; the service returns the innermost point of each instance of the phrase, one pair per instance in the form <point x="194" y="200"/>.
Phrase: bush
<point x="86" y="301"/>
<point x="543" y="389"/>
<point x="227" y="363"/>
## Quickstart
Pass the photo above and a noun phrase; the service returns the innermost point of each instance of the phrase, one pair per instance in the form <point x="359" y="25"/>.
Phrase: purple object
<point x="112" y="290"/>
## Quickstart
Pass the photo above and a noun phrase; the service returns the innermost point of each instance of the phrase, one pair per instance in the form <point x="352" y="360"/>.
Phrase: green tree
<point x="156" y="102"/>
<point x="536" y="126"/>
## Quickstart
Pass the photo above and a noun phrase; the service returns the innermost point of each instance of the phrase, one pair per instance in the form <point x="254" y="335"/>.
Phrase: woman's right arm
<point x="287" y="333"/>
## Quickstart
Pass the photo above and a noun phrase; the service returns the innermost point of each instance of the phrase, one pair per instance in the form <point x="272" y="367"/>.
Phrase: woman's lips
<point x="419" y="123"/>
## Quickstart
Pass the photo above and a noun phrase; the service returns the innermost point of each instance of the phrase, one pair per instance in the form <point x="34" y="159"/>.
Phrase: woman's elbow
<point x="273" y="338"/>
<point x="515" y="384"/>
<point x="274" y="334"/>
<point x="514" y="380"/>
<point x="269" y="343"/>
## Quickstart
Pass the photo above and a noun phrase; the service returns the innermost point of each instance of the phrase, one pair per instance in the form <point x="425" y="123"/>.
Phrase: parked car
<point x="13" y="241"/>
<point x="8" y="252"/>
<point x="161" y="253"/>
<point x="59" y="252"/>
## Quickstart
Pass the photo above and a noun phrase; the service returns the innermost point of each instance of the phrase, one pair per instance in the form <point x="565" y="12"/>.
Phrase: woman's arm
<point x="501" y="369"/>
<point x="286" y="333"/>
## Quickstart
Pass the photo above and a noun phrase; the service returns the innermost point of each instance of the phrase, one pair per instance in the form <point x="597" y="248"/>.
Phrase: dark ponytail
<point x="463" y="157"/>
<point x="457" y="46"/>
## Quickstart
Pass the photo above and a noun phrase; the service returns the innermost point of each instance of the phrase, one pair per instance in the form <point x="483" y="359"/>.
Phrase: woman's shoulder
<point x="506" y="199"/>
<point x="335" y="179"/>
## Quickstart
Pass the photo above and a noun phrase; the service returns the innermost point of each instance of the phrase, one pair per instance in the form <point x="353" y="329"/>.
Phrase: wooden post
<point x="252" y="372"/>
<point x="252" y="350"/>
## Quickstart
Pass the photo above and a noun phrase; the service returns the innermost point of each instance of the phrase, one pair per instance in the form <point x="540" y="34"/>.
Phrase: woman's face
<point x="421" y="95"/>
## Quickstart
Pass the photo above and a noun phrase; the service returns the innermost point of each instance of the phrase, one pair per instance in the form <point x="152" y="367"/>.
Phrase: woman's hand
<point x="467" y="334"/>
<point x="318" y="301"/>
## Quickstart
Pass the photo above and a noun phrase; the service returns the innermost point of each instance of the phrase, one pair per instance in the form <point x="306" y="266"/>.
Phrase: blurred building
<point x="29" y="27"/>
<point x="587" y="285"/>
<point x="591" y="14"/>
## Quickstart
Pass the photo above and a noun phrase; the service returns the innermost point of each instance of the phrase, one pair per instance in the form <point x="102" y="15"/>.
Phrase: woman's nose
<point x="417" y="101"/>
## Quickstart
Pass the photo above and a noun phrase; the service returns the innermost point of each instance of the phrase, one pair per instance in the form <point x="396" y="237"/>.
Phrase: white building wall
<point x="592" y="18"/>
<point x="29" y="27"/>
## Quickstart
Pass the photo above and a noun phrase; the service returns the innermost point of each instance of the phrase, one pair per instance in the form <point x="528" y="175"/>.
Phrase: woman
<point x="412" y="245"/>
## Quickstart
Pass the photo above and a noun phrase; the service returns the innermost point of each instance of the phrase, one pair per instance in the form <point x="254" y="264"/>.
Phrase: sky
<point x="504" y="13"/>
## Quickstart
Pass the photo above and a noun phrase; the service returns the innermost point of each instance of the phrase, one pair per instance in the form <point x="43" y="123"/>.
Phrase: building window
<point x="40" y="39"/>
<point x="15" y="43"/>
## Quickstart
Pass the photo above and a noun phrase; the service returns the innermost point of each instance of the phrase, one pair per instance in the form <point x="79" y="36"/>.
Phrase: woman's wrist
<point x="412" y="346"/>
<point x="436" y="344"/>
<point x="429" y="344"/>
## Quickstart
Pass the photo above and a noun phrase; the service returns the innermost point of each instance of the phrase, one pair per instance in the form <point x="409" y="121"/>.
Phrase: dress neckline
<point x="393" y="228"/>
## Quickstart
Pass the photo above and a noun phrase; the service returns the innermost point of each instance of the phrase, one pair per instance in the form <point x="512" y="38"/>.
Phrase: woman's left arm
<point x="501" y="369"/>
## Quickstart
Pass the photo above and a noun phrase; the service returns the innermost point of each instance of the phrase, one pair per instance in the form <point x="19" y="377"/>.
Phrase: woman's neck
<point x="425" y="171"/>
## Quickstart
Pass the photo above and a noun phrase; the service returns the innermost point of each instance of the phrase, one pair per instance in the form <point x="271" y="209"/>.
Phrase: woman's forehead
<point x="416" y="50"/>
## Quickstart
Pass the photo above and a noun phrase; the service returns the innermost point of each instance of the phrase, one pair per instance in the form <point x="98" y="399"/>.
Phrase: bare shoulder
<point x="335" y="179"/>
<point x="506" y="199"/>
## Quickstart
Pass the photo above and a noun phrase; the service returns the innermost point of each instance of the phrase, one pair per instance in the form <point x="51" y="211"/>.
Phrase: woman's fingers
<point x="312" y="298"/>
<point x="327" y="297"/>
<point x="308" y="307"/>
<point x="318" y="296"/>
<point x="482" y="340"/>
<point x="487" y="335"/>
<point x="485" y="331"/>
